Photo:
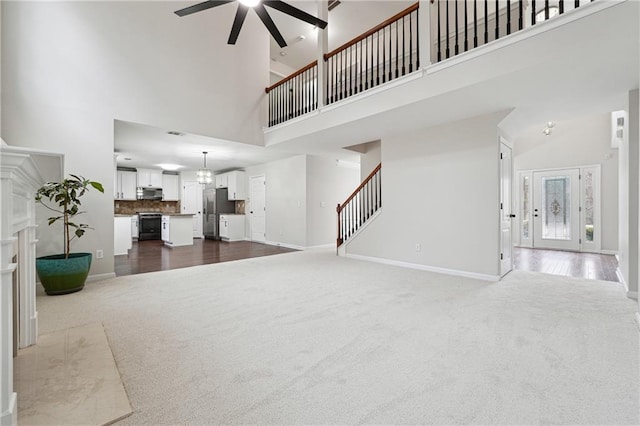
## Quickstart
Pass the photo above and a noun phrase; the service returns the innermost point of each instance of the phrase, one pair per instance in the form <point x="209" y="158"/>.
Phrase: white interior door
<point x="258" y="208"/>
<point x="506" y="215"/>
<point x="556" y="209"/>
<point x="192" y="204"/>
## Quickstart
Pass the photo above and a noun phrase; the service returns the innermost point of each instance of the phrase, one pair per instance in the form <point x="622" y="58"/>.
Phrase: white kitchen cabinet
<point x="170" y="187"/>
<point x="121" y="235"/>
<point x="149" y="178"/>
<point x="177" y="230"/>
<point x="232" y="227"/>
<point x="134" y="227"/>
<point x="237" y="186"/>
<point x="125" y="185"/>
<point x="222" y="180"/>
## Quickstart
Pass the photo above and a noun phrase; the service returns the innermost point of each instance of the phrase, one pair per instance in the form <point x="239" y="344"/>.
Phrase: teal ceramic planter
<point x="62" y="276"/>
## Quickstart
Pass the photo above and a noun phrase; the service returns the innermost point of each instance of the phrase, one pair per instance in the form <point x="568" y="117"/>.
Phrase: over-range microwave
<point x="149" y="193"/>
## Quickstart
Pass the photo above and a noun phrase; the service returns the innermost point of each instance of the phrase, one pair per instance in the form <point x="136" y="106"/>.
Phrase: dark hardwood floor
<point x="581" y="265"/>
<point x="153" y="255"/>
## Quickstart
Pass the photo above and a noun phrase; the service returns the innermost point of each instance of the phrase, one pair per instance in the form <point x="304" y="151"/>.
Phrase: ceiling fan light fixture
<point x="250" y="3"/>
<point x="204" y="175"/>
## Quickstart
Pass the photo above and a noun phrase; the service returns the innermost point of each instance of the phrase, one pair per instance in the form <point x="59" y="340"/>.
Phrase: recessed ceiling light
<point x="174" y="133"/>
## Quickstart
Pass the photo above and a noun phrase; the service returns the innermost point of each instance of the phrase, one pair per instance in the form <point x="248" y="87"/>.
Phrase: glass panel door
<point x="556" y="209"/>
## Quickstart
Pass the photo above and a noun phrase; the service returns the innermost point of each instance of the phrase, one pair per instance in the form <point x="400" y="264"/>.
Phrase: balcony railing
<point x="392" y="49"/>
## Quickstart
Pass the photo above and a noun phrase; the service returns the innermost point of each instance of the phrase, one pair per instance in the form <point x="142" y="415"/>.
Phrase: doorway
<point x="560" y="209"/>
<point x="258" y="208"/>
<point x="192" y="204"/>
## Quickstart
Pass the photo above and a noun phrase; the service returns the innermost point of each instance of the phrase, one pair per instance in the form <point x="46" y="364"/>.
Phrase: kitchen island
<point x="177" y="229"/>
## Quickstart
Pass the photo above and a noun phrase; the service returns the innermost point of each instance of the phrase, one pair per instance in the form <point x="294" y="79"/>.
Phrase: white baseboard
<point x="100" y="277"/>
<point x="621" y="279"/>
<point x="610" y="252"/>
<point x="455" y="272"/>
<point x="638" y="320"/>
<point x="10" y="415"/>
<point x="291" y="246"/>
<point x="632" y="295"/>
<point x="322" y="246"/>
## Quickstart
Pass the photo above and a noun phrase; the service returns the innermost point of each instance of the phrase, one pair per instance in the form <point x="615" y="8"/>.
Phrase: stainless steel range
<point x="149" y="226"/>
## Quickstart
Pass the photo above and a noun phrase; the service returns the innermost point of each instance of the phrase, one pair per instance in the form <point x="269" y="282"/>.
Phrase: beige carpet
<point x="308" y="337"/>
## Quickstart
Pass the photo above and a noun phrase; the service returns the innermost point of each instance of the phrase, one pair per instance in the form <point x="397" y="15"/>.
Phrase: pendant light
<point x="204" y="175"/>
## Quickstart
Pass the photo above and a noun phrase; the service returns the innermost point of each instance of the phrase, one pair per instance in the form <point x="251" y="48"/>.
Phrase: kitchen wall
<point x="133" y="207"/>
<point x="440" y="190"/>
<point x="286" y="200"/>
<point x="71" y="69"/>
<point x="573" y="143"/>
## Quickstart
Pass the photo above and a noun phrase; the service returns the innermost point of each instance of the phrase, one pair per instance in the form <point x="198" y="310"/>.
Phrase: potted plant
<point x="65" y="273"/>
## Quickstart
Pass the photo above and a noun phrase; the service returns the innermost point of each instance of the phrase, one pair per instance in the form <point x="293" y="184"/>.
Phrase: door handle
<point x="251" y="212"/>
<point x="512" y="215"/>
<point x="535" y="215"/>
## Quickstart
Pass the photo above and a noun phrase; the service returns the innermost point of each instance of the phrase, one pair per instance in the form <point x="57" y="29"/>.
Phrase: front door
<point x="556" y="209"/>
<point x="258" y="210"/>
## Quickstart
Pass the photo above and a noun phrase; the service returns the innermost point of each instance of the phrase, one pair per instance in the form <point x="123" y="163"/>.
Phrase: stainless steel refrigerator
<point x="215" y="202"/>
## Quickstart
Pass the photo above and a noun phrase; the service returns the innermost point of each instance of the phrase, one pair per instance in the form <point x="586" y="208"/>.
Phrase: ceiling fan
<point x="259" y="7"/>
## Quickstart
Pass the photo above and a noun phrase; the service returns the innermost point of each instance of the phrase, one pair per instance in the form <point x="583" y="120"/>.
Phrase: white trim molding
<point x="454" y="272"/>
<point x="632" y="295"/>
<point x="638" y="320"/>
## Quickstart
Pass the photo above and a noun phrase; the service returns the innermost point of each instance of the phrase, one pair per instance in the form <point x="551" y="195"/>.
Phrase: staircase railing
<point x="462" y="25"/>
<point x="385" y="52"/>
<point x="360" y="206"/>
<point x="294" y="95"/>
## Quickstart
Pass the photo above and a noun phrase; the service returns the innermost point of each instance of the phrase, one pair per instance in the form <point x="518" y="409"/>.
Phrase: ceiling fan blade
<point x="241" y="13"/>
<point x="201" y="6"/>
<point x="268" y="22"/>
<point x="295" y="12"/>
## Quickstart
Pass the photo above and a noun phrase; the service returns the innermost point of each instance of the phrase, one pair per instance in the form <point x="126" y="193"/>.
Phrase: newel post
<point x="425" y="25"/>
<point x="323" y="47"/>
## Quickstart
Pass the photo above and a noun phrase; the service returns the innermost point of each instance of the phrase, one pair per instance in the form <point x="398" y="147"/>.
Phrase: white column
<point x="323" y="47"/>
<point x="634" y="192"/>
<point x="425" y="32"/>
<point x="8" y="398"/>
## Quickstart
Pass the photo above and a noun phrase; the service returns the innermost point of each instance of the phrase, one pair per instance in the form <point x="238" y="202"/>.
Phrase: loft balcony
<point x="439" y="54"/>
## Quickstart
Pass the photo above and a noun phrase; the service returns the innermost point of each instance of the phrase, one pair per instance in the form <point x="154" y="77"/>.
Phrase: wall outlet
<point x="99" y="254"/>
<point x="418" y="247"/>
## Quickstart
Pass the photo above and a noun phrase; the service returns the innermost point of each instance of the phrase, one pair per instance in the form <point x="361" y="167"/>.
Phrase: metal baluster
<point x="561" y="7"/>
<point x="577" y="4"/>
<point x="397" y="57"/>
<point x="360" y="65"/>
<point x="497" y="21"/>
<point x="466" y="26"/>
<point x="475" y="23"/>
<point x="418" y="41"/>
<point x="384" y="55"/>
<point x="378" y="60"/>
<point x="447" y="28"/>
<point x="456" y="49"/>
<point x="520" y="15"/>
<point x="533" y="12"/>
<point x="439" y="36"/>
<point x="404" y="50"/>
<point x="390" y="53"/>
<point x="508" y="17"/>
<point x="486" y="22"/>
<point x="366" y="63"/>
<point x="546" y="10"/>
<point x="410" y="44"/>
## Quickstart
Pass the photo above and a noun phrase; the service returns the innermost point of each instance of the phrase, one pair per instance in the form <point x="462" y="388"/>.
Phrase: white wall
<point x="439" y="189"/>
<point x="286" y="221"/>
<point x="370" y="159"/>
<point x="582" y="142"/>
<point x="73" y="67"/>
<point x="328" y="184"/>
<point x="629" y="197"/>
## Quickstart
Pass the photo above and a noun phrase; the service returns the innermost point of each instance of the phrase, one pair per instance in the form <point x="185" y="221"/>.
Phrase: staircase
<point x="361" y="205"/>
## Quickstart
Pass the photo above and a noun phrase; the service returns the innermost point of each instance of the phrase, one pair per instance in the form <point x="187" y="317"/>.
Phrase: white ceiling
<point x="138" y="145"/>
<point x="347" y="21"/>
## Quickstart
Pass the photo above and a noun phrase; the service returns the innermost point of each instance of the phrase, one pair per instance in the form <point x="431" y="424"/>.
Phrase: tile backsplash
<point x="133" y="207"/>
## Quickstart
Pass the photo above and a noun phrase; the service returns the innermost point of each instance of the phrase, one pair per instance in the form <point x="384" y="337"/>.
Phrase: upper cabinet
<point x="235" y="182"/>
<point x="222" y="180"/>
<point x="170" y="187"/>
<point x="125" y="188"/>
<point x="236" y="185"/>
<point x="149" y="178"/>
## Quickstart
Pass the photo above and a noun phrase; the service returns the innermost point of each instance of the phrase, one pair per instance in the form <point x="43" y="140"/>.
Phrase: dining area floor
<point x="591" y="266"/>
